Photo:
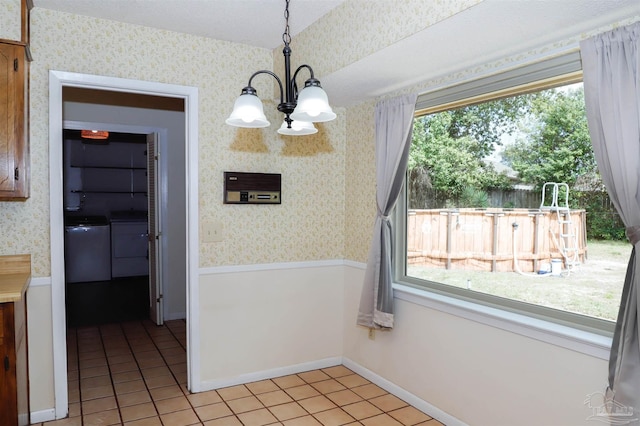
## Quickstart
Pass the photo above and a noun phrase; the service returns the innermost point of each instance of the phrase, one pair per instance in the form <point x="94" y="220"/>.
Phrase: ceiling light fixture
<point x="94" y="134"/>
<point x="301" y="110"/>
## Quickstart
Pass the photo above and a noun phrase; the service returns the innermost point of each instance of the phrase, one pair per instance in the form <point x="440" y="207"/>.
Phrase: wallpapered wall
<point x="310" y="222"/>
<point x="360" y="178"/>
<point x="10" y="19"/>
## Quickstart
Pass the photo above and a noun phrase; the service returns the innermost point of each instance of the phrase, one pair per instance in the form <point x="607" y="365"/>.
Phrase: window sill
<point x="585" y="342"/>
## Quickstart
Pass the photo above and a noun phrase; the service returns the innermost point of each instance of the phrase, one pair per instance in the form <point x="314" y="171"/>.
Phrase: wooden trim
<point x="14" y="42"/>
<point x="25" y="6"/>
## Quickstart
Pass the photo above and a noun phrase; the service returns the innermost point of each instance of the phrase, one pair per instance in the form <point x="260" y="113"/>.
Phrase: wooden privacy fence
<point x="484" y="239"/>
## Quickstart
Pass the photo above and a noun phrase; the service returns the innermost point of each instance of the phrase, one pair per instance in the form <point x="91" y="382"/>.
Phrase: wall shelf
<point x="110" y="167"/>
<point x="81" y="191"/>
<point x="106" y="177"/>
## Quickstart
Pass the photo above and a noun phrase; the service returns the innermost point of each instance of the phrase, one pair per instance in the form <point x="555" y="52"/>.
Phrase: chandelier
<point x="301" y="109"/>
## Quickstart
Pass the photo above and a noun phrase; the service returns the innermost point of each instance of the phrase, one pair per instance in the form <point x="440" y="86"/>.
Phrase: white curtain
<point x="394" y="124"/>
<point x="611" y="68"/>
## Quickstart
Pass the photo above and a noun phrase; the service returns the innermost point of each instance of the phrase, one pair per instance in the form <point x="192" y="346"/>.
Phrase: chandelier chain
<point x="305" y="107"/>
<point x="286" y="36"/>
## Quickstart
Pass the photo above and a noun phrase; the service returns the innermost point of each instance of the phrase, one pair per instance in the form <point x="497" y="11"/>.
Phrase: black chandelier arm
<point x="300" y="68"/>
<point x="271" y="74"/>
<point x="311" y="81"/>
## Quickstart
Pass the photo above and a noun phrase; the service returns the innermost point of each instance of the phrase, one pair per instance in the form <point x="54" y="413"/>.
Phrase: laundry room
<point x="106" y="226"/>
<point x="124" y="207"/>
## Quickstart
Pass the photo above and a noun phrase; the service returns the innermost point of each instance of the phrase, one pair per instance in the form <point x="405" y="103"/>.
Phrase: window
<point x="503" y="204"/>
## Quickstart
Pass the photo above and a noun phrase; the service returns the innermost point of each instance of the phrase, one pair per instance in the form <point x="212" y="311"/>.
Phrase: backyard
<point x="593" y="288"/>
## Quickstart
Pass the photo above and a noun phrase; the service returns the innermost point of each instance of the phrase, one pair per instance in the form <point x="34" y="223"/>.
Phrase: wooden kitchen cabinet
<point x="14" y="372"/>
<point x="14" y="148"/>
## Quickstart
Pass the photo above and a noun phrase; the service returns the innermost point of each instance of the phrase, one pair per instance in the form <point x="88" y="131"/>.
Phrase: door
<point x="155" y="232"/>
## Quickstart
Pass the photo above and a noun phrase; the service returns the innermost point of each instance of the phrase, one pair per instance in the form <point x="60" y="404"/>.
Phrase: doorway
<point x="59" y="80"/>
<point x="112" y="244"/>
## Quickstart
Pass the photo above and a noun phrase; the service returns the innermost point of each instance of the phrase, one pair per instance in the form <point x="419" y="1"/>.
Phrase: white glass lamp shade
<point x="298" y="128"/>
<point x="248" y="112"/>
<point x="313" y="105"/>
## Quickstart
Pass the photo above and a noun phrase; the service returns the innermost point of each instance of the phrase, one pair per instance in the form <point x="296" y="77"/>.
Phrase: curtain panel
<point x="394" y="124"/>
<point x="612" y="96"/>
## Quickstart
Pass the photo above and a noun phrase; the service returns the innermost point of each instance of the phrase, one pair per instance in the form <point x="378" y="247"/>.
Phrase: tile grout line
<point x="113" y="386"/>
<point x="164" y="359"/>
<point x="79" y="379"/>
<point x="133" y="353"/>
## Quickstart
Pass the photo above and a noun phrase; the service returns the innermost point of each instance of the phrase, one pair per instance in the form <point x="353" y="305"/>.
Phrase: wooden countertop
<point x="15" y="275"/>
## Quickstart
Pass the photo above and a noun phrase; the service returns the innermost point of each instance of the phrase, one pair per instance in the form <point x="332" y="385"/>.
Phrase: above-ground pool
<point x="494" y="239"/>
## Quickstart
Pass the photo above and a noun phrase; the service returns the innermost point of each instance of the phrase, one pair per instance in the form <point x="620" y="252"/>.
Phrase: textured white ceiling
<point x="254" y="22"/>
<point x="488" y="32"/>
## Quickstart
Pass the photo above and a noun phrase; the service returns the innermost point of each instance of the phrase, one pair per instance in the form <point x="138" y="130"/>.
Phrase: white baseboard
<point x="40" y="281"/>
<point x="270" y="374"/>
<point x="43" y="415"/>
<point x="385" y="384"/>
<point x="404" y="395"/>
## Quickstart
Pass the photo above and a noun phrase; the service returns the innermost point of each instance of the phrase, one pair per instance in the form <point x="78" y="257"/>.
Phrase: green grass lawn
<point x="593" y="288"/>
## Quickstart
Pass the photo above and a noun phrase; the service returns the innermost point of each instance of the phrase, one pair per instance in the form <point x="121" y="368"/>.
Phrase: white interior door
<point x="155" y="232"/>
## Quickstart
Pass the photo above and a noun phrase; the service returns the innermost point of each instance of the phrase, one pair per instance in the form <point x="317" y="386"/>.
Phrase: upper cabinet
<point x="14" y="153"/>
<point x="14" y="95"/>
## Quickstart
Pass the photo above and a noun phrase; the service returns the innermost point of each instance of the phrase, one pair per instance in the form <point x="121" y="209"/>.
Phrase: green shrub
<point x="472" y="197"/>
<point x="603" y="221"/>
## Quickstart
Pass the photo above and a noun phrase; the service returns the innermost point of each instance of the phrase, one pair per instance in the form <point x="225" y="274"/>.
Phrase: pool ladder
<point x="567" y="240"/>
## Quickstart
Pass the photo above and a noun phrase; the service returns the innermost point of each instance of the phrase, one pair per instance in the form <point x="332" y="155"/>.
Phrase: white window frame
<point x="574" y="331"/>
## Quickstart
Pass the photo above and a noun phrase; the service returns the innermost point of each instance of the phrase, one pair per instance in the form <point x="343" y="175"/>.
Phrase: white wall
<point x="40" y="335"/>
<point x="260" y="321"/>
<point x="477" y="373"/>
<point x="174" y="158"/>
<point x="270" y="320"/>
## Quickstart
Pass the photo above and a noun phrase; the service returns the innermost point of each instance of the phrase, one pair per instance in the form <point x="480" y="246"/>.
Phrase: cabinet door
<point x="8" y="401"/>
<point x="14" y="173"/>
<point x="129" y="249"/>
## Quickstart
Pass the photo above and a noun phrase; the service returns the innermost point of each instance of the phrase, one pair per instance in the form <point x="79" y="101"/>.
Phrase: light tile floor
<point x="134" y="374"/>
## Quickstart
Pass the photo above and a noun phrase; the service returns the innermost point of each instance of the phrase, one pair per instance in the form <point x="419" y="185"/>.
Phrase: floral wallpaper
<point x="10" y="15"/>
<point x="308" y="225"/>
<point x="360" y="176"/>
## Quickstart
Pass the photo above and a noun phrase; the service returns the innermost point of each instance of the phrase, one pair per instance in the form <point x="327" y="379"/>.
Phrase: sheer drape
<point x="394" y="122"/>
<point x="612" y="95"/>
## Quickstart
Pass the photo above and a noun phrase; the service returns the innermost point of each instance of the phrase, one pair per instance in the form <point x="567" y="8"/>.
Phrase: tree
<point x="487" y="122"/>
<point x="449" y="147"/>
<point x="555" y="145"/>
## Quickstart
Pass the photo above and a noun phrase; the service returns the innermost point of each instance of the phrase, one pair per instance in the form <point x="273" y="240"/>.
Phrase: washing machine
<point x="87" y="249"/>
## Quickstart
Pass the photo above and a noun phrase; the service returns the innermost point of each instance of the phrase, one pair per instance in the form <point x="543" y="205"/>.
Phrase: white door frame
<point x="58" y="80"/>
